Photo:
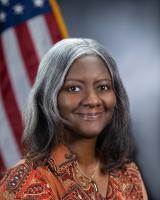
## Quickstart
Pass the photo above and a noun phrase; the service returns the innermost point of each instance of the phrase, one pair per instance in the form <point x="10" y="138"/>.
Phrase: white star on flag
<point x="18" y="9"/>
<point x="5" y="2"/>
<point x="38" y="3"/>
<point x="2" y="16"/>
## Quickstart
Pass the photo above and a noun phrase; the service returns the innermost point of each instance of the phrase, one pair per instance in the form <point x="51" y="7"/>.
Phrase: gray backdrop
<point x="129" y="30"/>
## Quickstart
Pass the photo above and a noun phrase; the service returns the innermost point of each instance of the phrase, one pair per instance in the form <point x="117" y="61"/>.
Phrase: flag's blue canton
<point x="13" y="12"/>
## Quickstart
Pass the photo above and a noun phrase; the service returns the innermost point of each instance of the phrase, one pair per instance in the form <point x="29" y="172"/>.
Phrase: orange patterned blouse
<point x="57" y="180"/>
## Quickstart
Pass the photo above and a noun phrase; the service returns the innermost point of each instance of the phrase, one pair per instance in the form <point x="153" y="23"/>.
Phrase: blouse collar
<point x="60" y="159"/>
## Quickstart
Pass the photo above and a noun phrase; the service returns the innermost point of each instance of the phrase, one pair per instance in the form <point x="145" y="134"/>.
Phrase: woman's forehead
<point x="88" y="66"/>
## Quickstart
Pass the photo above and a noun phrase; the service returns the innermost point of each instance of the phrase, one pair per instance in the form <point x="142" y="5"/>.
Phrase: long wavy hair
<point x="42" y="120"/>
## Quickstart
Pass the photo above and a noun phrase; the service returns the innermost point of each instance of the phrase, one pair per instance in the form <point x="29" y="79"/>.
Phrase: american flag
<point x="28" y="28"/>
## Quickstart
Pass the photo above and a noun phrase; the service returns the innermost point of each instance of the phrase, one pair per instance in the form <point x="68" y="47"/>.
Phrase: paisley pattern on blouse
<point x="23" y="182"/>
<point x="57" y="180"/>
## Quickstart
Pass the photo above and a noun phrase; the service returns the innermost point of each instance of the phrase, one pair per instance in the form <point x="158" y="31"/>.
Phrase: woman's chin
<point x="89" y="134"/>
<point x="83" y="132"/>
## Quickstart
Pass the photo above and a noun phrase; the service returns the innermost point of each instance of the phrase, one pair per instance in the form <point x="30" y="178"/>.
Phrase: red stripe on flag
<point x="8" y="98"/>
<point x="53" y="27"/>
<point x="2" y="167"/>
<point x="28" y="51"/>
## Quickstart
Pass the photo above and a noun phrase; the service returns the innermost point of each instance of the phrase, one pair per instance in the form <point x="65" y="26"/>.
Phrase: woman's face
<point x="87" y="100"/>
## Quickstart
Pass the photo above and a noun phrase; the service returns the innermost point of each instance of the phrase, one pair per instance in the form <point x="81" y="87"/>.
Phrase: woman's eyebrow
<point x="104" y="79"/>
<point x="82" y="81"/>
<point x="74" y="79"/>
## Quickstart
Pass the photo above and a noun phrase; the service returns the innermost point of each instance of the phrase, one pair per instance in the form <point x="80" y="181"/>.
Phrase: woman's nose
<point x="91" y="99"/>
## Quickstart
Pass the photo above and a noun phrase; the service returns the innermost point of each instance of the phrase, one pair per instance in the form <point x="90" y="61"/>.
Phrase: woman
<point x="76" y="133"/>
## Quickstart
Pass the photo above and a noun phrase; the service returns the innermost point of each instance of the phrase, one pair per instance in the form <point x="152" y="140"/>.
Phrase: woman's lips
<point x="89" y="116"/>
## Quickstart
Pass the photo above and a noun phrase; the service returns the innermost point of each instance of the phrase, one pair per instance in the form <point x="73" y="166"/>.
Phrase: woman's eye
<point x="103" y="88"/>
<point x="73" y="89"/>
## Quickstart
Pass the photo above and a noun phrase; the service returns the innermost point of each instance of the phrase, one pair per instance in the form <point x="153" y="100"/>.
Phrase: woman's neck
<point x="85" y="150"/>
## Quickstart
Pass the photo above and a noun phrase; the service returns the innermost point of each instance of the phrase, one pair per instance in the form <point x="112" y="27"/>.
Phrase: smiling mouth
<point x="89" y="116"/>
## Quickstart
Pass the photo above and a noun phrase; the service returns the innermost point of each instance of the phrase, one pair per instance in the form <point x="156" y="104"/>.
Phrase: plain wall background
<point x="130" y="32"/>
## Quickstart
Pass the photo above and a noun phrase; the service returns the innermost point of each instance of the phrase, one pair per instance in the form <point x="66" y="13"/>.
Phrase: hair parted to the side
<point x="42" y="120"/>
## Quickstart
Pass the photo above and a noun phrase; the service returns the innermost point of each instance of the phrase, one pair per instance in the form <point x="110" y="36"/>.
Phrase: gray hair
<point x="42" y="112"/>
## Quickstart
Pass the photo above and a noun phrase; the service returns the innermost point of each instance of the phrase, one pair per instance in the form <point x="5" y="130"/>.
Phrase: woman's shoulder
<point x="131" y="168"/>
<point x="24" y="181"/>
<point x="128" y="180"/>
<point x="129" y="171"/>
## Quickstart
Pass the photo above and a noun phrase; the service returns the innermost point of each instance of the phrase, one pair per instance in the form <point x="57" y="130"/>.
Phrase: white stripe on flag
<point x="40" y="35"/>
<point x="8" y="146"/>
<point x="16" y="68"/>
